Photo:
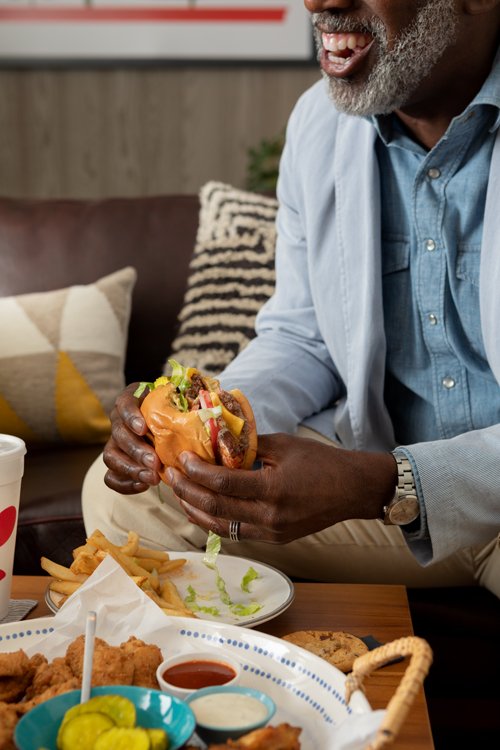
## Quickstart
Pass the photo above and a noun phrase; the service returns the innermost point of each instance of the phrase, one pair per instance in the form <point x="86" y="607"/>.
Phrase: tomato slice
<point x="206" y="403"/>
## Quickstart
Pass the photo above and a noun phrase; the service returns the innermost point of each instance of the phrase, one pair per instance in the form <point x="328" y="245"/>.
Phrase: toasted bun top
<point x="174" y="431"/>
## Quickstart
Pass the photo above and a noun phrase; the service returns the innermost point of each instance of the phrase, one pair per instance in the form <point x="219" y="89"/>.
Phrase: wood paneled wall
<point x="125" y="132"/>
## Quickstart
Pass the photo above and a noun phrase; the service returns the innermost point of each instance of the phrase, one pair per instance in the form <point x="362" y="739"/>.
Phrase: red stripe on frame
<point x="127" y="14"/>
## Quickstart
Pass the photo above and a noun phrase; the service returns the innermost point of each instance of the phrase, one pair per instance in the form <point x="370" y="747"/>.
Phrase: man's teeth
<point x="341" y="42"/>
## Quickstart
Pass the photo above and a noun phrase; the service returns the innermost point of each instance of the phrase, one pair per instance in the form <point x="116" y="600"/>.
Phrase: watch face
<point x="404" y="510"/>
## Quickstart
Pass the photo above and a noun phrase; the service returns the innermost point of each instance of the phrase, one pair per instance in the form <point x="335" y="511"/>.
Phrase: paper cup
<point x="12" y="451"/>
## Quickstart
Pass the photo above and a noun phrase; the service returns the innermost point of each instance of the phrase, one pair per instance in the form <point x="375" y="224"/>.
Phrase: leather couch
<point x="52" y="244"/>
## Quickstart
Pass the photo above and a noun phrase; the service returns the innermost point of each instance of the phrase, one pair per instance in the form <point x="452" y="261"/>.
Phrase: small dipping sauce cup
<point x="181" y="675"/>
<point x="228" y="712"/>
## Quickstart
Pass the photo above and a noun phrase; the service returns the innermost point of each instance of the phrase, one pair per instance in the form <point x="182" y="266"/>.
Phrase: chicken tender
<point x="8" y="721"/>
<point x="146" y="659"/>
<point x="16" y="672"/>
<point x="72" y="684"/>
<point x="281" y="737"/>
<point x="49" y="675"/>
<point x="14" y="664"/>
<point x="111" y="665"/>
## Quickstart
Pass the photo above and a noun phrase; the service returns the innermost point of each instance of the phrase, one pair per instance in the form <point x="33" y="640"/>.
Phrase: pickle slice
<point x="120" y="738"/>
<point x="158" y="739"/>
<point x="81" y="732"/>
<point x="120" y="709"/>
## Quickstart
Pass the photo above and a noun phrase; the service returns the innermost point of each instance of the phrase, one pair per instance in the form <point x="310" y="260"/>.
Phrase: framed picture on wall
<point x="113" y="31"/>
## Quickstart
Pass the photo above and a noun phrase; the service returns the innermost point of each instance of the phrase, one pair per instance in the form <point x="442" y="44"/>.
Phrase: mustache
<point x="335" y="24"/>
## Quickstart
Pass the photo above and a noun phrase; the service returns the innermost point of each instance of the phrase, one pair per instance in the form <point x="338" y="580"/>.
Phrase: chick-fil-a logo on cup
<point x="8" y="518"/>
<point x="12" y="450"/>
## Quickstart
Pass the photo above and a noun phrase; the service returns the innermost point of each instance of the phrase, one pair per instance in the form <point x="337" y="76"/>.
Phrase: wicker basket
<point x="413" y="678"/>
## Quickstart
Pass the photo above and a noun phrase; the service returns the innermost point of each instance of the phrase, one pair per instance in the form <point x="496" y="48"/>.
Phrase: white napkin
<point x="123" y="609"/>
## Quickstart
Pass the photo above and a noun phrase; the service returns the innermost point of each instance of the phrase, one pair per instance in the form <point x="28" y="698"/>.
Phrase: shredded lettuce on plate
<point x="192" y="604"/>
<point x="247" y="579"/>
<point x="212" y="550"/>
<point x="239" y="609"/>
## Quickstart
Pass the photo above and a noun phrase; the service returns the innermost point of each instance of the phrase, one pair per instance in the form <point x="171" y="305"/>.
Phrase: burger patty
<point x="192" y="393"/>
<point x="234" y="448"/>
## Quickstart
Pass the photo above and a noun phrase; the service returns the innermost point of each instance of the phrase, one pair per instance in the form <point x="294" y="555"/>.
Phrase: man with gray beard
<point x="375" y="372"/>
<point x="397" y="70"/>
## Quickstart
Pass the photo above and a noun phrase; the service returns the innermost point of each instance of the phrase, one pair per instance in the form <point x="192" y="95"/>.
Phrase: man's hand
<point x="132" y="463"/>
<point x="304" y="486"/>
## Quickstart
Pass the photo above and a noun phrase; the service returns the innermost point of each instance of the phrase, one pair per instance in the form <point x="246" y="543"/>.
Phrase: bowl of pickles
<point x="116" y="716"/>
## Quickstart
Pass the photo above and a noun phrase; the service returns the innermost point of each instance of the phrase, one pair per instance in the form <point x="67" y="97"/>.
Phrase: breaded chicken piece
<point x="8" y="721"/>
<point x="16" y="673"/>
<point x="146" y="658"/>
<point x="281" y="737"/>
<point x="72" y="684"/>
<point x="111" y="665"/>
<point x="49" y="675"/>
<point x="13" y="664"/>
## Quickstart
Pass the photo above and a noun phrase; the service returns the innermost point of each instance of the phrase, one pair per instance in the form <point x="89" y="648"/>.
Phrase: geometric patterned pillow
<point x="231" y="276"/>
<point x="62" y="360"/>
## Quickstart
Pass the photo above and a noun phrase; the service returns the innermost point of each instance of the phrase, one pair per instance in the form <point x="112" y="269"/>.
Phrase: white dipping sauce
<point x="232" y="710"/>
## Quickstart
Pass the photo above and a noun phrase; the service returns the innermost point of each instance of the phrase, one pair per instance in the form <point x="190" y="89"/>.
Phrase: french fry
<point x="176" y="613"/>
<point x="169" y="592"/>
<point x="171" y="566"/>
<point x="83" y="549"/>
<point x="132" y="568"/>
<point x="181" y="609"/>
<point x="139" y="580"/>
<point x="64" y="587"/>
<point x="156" y="554"/>
<point x="146" y="567"/>
<point x="60" y="571"/>
<point x="85" y="563"/>
<point x="149" y="563"/>
<point x="130" y="548"/>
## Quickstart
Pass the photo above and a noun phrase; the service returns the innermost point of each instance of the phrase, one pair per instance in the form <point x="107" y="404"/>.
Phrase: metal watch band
<point x="404" y="508"/>
<point x="406" y="482"/>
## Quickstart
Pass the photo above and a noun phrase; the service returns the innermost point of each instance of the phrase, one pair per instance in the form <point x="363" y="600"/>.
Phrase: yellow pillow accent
<point x="78" y="333"/>
<point x="79" y="415"/>
<point x="12" y="424"/>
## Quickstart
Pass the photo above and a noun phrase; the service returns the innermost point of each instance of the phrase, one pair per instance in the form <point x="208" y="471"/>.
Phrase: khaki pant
<point x="356" y="551"/>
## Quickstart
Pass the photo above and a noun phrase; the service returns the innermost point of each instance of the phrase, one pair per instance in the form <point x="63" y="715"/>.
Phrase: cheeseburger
<point x="190" y="411"/>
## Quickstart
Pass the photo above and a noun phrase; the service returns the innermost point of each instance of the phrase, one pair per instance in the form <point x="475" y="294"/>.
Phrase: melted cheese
<point x="234" y="423"/>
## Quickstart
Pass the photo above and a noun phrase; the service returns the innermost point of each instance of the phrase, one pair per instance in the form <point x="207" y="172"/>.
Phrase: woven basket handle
<point x="412" y="681"/>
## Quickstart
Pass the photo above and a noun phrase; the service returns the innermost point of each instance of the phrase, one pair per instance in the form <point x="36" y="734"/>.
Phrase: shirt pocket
<point x="468" y="261"/>
<point x="466" y="291"/>
<point x="396" y="285"/>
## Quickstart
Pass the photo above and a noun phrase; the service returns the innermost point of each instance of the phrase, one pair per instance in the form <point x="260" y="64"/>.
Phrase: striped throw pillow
<point x="231" y="276"/>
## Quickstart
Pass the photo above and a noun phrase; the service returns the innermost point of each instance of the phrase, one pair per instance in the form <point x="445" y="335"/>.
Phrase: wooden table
<point x="380" y="611"/>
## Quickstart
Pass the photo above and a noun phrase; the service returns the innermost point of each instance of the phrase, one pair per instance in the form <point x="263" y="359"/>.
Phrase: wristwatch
<point x="404" y="506"/>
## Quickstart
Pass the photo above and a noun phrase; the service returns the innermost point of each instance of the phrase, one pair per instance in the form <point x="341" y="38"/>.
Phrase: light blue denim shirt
<point x="438" y="381"/>
<point x="326" y="356"/>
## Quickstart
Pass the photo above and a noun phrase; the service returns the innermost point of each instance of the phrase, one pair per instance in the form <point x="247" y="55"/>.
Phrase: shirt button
<point x="433" y="173"/>
<point x="430" y="245"/>
<point x="448" y="382"/>
<point x="432" y="319"/>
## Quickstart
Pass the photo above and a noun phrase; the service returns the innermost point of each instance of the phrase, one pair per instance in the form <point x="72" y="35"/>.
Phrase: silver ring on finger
<point x="234" y="531"/>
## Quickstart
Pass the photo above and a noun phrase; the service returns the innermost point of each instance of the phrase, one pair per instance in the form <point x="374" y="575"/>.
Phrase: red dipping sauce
<point x="198" y="673"/>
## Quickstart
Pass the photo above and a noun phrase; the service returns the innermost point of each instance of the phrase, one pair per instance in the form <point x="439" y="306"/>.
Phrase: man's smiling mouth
<point x="341" y="46"/>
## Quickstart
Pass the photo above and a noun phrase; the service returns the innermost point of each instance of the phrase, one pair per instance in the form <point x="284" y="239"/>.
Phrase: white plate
<point x="308" y="691"/>
<point x="273" y="590"/>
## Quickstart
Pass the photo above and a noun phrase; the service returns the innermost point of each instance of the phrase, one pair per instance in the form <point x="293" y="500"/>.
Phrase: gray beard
<point x="397" y="73"/>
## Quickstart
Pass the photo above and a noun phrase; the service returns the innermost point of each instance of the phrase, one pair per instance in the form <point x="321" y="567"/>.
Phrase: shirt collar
<point x="489" y="94"/>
